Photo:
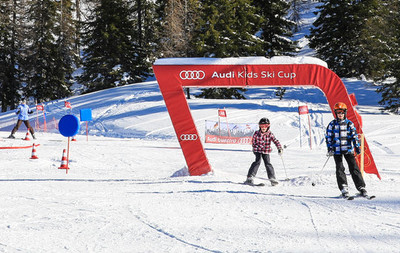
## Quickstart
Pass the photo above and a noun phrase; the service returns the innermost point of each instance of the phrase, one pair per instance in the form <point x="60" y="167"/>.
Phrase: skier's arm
<point x="276" y="142"/>
<point x="329" y="136"/>
<point x="18" y="111"/>
<point x="354" y="138"/>
<point x="255" y="141"/>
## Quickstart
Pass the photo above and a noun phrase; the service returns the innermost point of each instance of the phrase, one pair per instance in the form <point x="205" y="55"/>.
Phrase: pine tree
<point x="66" y="43"/>
<point x="276" y="29"/>
<point x="226" y="29"/>
<point x="344" y="37"/>
<point x="11" y="28"/>
<point x="115" y="52"/>
<point x="390" y="89"/>
<point x="144" y="17"/>
<point x="295" y="10"/>
<point x="48" y="61"/>
<point x="374" y="49"/>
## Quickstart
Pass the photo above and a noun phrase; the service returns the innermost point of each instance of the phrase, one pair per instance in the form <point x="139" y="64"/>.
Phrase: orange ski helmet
<point x="340" y="107"/>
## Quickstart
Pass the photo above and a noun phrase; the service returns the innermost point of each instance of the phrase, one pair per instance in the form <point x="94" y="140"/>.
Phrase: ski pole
<point x="284" y="167"/>
<point x="313" y="183"/>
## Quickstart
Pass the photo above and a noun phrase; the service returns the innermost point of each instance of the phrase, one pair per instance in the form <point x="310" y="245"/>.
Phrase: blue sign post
<point x="86" y="115"/>
<point x="68" y="127"/>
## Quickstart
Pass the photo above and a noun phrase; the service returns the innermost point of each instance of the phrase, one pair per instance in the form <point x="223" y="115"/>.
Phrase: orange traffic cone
<point x="73" y="138"/>
<point x="27" y="137"/>
<point x="34" y="156"/>
<point x="64" y="161"/>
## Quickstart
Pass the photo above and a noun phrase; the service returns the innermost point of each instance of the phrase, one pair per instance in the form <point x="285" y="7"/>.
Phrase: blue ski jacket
<point x="23" y="111"/>
<point x="341" y="137"/>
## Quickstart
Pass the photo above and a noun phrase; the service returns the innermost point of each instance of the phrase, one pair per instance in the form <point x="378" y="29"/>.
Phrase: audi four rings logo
<point x="189" y="137"/>
<point x="192" y="74"/>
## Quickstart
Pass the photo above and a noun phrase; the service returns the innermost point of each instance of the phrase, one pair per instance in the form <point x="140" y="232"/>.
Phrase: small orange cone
<point x="73" y="138"/>
<point x="64" y="161"/>
<point x="27" y="137"/>
<point x="34" y="156"/>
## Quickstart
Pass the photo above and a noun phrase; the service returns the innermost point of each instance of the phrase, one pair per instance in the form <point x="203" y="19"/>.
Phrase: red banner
<point x="227" y="140"/>
<point x="176" y="73"/>
<point x="40" y="107"/>
<point x="229" y="133"/>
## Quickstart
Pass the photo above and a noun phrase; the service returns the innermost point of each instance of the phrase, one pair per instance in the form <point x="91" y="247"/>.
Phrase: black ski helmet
<point x="263" y="121"/>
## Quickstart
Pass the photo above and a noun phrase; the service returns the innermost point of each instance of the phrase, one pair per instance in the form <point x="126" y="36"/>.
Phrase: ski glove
<point x="330" y="153"/>
<point x="280" y="151"/>
<point x="358" y="151"/>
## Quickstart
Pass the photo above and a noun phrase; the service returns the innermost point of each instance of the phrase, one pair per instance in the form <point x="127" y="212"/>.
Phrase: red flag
<point x="67" y="104"/>
<point x="40" y="107"/>
<point x="221" y="113"/>
<point x="353" y="99"/>
<point x="303" y="109"/>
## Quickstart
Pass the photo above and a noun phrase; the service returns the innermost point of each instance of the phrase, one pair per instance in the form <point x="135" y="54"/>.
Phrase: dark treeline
<point x="47" y="46"/>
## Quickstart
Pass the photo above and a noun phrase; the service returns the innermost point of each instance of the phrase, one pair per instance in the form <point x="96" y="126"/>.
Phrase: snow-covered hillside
<point x="126" y="190"/>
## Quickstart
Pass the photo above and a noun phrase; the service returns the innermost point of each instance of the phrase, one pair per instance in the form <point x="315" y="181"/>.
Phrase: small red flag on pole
<point x="222" y="113"/>
<point x="67" y="104"/>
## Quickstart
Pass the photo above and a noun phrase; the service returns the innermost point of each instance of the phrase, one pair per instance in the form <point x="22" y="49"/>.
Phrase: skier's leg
<point x="15" y="129"/>
<point x="268" y="166"/>
<point x="340" y="175"/>
<point x="355" y="172"/>
<point x="29" y="127"/>
<point x="254" y="166"/>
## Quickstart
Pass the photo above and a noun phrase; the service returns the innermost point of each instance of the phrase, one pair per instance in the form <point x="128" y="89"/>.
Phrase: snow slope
<point x="126" y="190"/>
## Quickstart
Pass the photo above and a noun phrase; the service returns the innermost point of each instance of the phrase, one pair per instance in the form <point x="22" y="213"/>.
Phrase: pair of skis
<point x="369" y="197"/>
<point x="273" y="183"/>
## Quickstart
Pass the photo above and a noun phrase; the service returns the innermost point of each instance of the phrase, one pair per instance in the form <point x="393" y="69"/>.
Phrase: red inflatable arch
<point x="173" y="74"/>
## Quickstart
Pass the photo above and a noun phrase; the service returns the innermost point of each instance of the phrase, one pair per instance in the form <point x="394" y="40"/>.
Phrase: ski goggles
<point x="340" y="112"/>
<point x="264" y="125"/>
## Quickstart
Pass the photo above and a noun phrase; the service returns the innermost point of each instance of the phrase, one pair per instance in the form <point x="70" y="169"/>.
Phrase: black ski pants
<point x="256" y="164"/>
<point x="353" y="168"/>
<point x="28" y="126"/>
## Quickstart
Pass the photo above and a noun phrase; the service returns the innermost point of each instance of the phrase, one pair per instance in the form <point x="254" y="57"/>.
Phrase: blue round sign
<point x="69" y="125"/>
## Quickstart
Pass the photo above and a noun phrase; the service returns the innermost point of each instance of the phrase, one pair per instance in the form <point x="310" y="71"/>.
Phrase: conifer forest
<point x="52" y="49"/>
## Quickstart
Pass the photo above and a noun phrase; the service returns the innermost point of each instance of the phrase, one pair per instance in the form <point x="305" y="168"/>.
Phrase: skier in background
<point x="23" y="111"/>
<point x="261" y="143"/>
<point x="341" y="136"/>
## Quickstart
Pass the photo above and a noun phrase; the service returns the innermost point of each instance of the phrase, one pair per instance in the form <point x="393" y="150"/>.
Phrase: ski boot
<point x="363" y="192"/>
<point x="345" y="193"/>
<point x="274" y="182"/>
<point x="249" y="181"/>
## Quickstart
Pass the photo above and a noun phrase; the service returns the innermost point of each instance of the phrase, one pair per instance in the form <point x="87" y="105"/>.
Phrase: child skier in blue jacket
<point x="23" y="110"/>
<point x="341" y="137"/>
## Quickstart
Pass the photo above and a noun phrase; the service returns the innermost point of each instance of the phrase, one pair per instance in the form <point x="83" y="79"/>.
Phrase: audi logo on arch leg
<point x="192" y="74"/>
<point x="188" y="137"/>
